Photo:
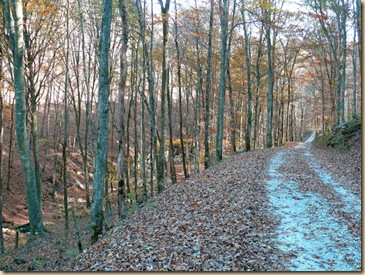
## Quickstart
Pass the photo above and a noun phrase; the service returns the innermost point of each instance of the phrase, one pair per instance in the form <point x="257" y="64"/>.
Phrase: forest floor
<point x="289" y="208"/>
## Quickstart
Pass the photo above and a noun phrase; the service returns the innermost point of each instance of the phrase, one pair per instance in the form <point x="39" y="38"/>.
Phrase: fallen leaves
<point x="218" y="220"/>
<point x="214" y="221"/>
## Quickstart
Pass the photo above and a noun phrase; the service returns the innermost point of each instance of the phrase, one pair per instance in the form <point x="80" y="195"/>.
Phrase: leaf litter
<point x="223" y="219"/>
<point x="236" y="217"/>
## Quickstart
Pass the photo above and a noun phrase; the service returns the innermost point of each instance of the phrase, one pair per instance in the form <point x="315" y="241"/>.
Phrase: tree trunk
<point x="258" y="81"/>
<point x="142" y="23"/>
<point x="161" y="183"/>
<point x="122" y="211"/>
<point x="171" y="147"/>
<point x="153" y="139"/>
<point x="208" y="88"/>
<point x="2" y="250"/>
<point x="65" y="125"/>
<point x="222" y="83"/>
<point x="270" y="81"/>
<point x="186" y="175"/>
<point x="88" y="125"/>
<point x="197" y="97"/>
<point x="249" y="89"/>
<point x="15" y="30"/>
<point x="10" y="159"/>
<point x="343" y="33"/>
<point x="230" y="91"/>
<point x="103" y="123"/>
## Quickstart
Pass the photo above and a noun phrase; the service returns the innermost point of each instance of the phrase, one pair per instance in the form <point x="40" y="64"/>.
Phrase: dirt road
<point x="317" y="213"/>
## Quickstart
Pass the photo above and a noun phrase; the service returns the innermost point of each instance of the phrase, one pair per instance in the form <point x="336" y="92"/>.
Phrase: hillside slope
<point x="220" y="219"/>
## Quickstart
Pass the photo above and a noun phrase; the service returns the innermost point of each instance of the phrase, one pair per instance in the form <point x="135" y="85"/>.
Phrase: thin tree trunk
<point x="142" y="23"/>
<point x="186" y="175"/>
<point x="258" y="81"/>
<point x="122" y="208"/>
<point x="88" y="124"/>
<point x="197" y="97"/>
<point x="354" y="64"/>
<point x="10" y="159"/>
<point x="65" y="125"/>
<point x="161" y="183"/>
<point x="222" y="83"/>
<point x="249" y="89"/>
<point x="208" y="88"/>
<point x="2" y="250"/>
<point x="153" y="139"/>
<point x="270" y="81"/>
<point x="344" y="53"/>
<point x="232" y="122"/>
<point x="171" y="147"/>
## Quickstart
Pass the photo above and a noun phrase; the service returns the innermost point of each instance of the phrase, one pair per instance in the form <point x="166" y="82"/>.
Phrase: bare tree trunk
<point x="11" y="150"/>
<point x="153" y="139"/>
<point x="270" y="80"/>
<point x="208" y="88"/>
<point x="258" y="81"/>
<point x="2" y="250"/>
<point x="171" y="152"/>
<point x="65" y="125"/>
<point x="197" y="97"/>
<point x="142" y="23"/>
<point x="136" y="152"/>
<point x="249" y="89"/>
<point x="122" y="208"/>
<point x="103" y="123"/>
<point x="161" y="183"/>
<point x="88" y="124"/>
<point x="222" y="83"/>
<point x="230" y="91"/>
<point x="186" y="175"/>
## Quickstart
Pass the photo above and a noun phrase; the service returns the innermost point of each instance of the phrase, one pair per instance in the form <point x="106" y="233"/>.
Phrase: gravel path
<point x="317" y="213"/>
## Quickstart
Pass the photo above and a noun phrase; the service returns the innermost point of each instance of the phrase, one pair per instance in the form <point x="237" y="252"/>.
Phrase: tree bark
<point x="122" y="211"/>
<point x="103" y="123"/>
<point x="222" y="83"/>
<point x="270" y="80"/>
<point x="161" y="183"/>
<point x="186" y="174"/>
<point x="2" y="250"/>
<point x="65" y="125"/>
<point x="249" y="86"/>
<point x="208" y="88"/>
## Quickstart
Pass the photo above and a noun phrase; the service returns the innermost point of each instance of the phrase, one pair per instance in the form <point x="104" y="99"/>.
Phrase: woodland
<point x="111" y="109"/>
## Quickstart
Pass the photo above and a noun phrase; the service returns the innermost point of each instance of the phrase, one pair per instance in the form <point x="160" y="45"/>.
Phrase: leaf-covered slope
<point x="216" y="220"/>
